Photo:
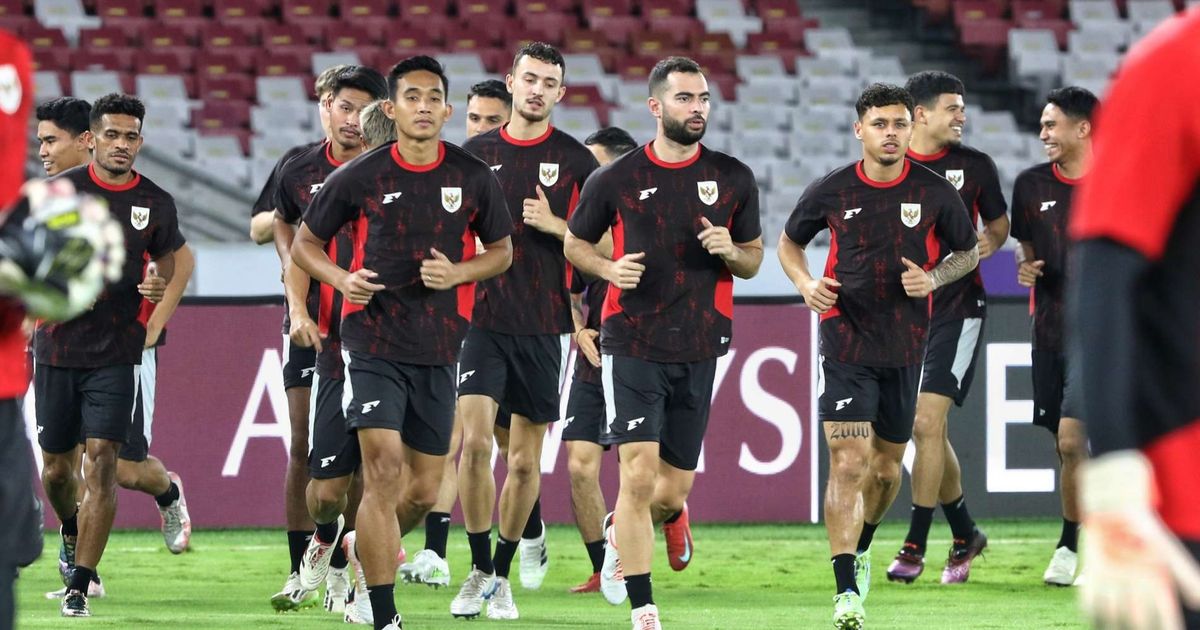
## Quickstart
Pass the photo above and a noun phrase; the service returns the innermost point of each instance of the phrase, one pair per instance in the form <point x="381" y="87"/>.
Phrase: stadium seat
<point x="1117" y="31"/>
<point x="770" y="10"/>
<point x="306" y="10"/>
<point x="280" y="63"/>
<point x="221" y="152"/>
<point x="421" y="9"/>
<point x="463" y="40"/>
<point x="739" y="27"/>
<point x="653" y="44"/>
<point x="172" y="10"/>
<point x="1037" y="9"/>
<point x="708" y="9"/>
<point x="167" y="36"/>
<point x="105" y="37"/>
<point x="68" y="15"/>
<point x="462" y="63"/>
<point x="167" y="115"/>
<point x="881" y="67"/>
<point x="302" y="35"/>
<point x="636" y="120"/>
<point x="759" y="115"/>
<point x="553" y="25"/>
<point x="605" y="8"/>
<point x="110" y="10"/>
<point x="229" y="11"/>
<point x="584" y="41"/>
<point x="323" y="60"/>
<point x="271" y="146"/>
<point x="412" y="39"/>
<point x="762" y="167"/>
<point x="221" y="62"/>
<point x="10" y="8"/>
<point x="579" y="122"/>
<point x="828" y="65"/>
<point x="769" y="91"/>
<point x="164" y="62"/>
<point x="230" y="87"/>
<point x="47" y="85"/>
<point x="617" y="29"/>
<point x="41" y="37"/>
<point x="527" y="8"/>
<point x="751" y="66"/>
<point x="364" y="10"/>
<point x="90" y="85"/>
<point x="765" y="142"/>
<point x="277" y="89"/>
<point x="1091" y="42"/>
<point x="968" y="10"/>
<point x="180" y="143"/>
<point x="1083" y="11"/>
<point x="221" y="115"/>
<point x="654" y="9"/>
<point x="161" y="87"/>
<point x="471" y="8"/>
<point x="816" y="39"/>
<point x="792" y="27"/>
<point x="635" y="68"/>
<point x="774" y="43"/>
<point x="277" y="116"/>
<point x="714" y="44"/>
<point x="115" y="59"/>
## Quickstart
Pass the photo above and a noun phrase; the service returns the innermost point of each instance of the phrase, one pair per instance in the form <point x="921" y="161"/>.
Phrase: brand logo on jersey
<point x="312" y="190"/>
<point x="724" y="339"/>
<point x="633" y="424"/>
<point x="956" y="177"/>
<point x="139" y="217"/>
<point x="307" y="372"/>
<point x="645" y="194"/>
<point x="842" y="404"/>
<point x="910" y="214"/>
<point x="368" y="407"/>
<point x="452" y="199"/>
<point x="390" y="197"/>
<point x="849" y="214"/>
<point x="326" y="461"/>
<point x="708" y="192"/>
<point x="497" y="167"/>
<point x="462" y="378"/>
<point x="1046" y="205"/>
<point x="10" y="89"/>
<point x="547" y="173"/>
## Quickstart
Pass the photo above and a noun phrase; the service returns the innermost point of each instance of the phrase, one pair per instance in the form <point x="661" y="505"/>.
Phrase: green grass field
<point x="743" y="577"/>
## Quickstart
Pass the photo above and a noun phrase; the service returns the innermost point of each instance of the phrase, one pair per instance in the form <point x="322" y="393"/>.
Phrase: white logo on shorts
<point x="368" y="407"/>
<point x="567" y="422"/>
<point x="462" y="378"/>
<point x="842" y="404"/>
<point x="307" y="372"/>
<point x="724" y="339"/>
<point x="634" y="423"/>
<point x="326" y="461"/>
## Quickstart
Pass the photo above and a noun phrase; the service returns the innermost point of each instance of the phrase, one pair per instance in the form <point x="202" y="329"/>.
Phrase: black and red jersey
<point x="974" y="175"/>
<point x="266" y="197"/>
<point x="14" y="117"/>
<point x="1041" y="207"/>
<point x="531" y="298"/>
<point x="329" y="310"/>
<point x="593" y="291"/>
<point x="111" y="333"/>
<point x="872" y="226"/>
<point x="399" y="212"/>
<point x="682" y="310"/>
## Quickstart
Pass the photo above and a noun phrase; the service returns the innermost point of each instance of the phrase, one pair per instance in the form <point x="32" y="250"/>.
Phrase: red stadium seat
<point x="666" y="8"/>
<point x="411" y="39"/>
<point x="713" y="44"/>
<point x="777" y="9"/>
<point x="166" y="36"/>
<point x="231" y="87"/>
<point x="1037" y="9"/>
<point x="555" y="25"/>
<point x="105" y="37"/>
<point x="526" y="8"/>
<point x="110" y="10"/>
<point x="288" y="36"/>
<point x="304" y="10"/>
<point x="967" y="10"/>
<point x="583" y="40"/>
<point x="168" y="10"/>
<point x="116" y="59"/>
<point x="218" y="35"/>
<point x="226" y="11"/>
<point x="633" y="68"/>
<point x="617" y="29"/>
<point x="421" y="9"/>
<point x="986" y="40"/>
<point x="16" y="24"/>
<point x="164" y="61"/>
<point x="346" y="36"/>
<point x="793" y="27"/>
<point x="472" y="8"/>
<point x="281" y="63"/>
<point x="723" y="63"/>
<point x="1060" y="27"/>
<point x="360" y="10"/>
<point x="466" y="40"/>
<point x="653" y="44"/>
<point x="221" y="115"/>
<point x="45" y="38"/>
<point x="12" y="7"/>
<point x="605" y="8"/>
<point x="493" y="29"/>
<point x="229" y="61"/>
<point x="584" y="96"/>
<point x="48" y="59"/>
<point x="683" y="29"/>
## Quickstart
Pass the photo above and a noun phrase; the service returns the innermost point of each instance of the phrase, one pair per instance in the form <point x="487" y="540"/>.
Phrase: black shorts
<point x="334" y="451"/>
<point x="21" y="536"/>
<point x="416" y="400"/>
<point x="522" y="372"/>
<point x="299" y="364"/>
<point x="94" y="402"/>
<point x="1052" y="391"/>
<point x="666" y="403"/>
<point x="137" y="442"/>
<point x="950" y="358"/>
<point x="504" y="418"/>
<point x="585" y="419"/>
<point x="884" y="396"/>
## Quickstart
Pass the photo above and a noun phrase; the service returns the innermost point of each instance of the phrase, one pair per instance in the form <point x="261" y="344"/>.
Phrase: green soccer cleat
<point x="848" y="613"/>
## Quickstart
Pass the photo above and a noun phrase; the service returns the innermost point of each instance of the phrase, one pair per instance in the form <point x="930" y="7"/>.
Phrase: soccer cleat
<point x="95" y="590"/>
<point x="314" y="564"/>
<point x="66" y="557"/>
<point x="592" y="585"/>
<point x="962" y="553"/>
<point x="75" y="604"/>
<point x="176" y="523"/>
<point x="477" y="587"/>
<point x="646" y="618"/>
<point x="908" y="565"/>
<point x="612" y="577"/>
<point x="395" y="624"/>
<point x="337" y="589"/>
<point x="292" y="597"/>
<point x="500" y="605"/>
<point x="426" y="568"/>
<point x="862" y="573"/>
<point x="1061" y="571"/>
<point x="679" y="540"/>
<point x="535" y="562"/>
<point x="358" y="603"/>
<point x="848" y="613"/>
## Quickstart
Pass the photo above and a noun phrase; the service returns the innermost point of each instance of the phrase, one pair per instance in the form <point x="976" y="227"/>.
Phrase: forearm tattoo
<point x="955" y="266"/>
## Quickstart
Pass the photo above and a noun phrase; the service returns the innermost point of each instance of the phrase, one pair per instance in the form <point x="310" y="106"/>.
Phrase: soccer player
<point x="489" y="105"/>
<point x="684" y="221"/>
<point x="1041" y="206"/>
<point x="351" y="90"/>
<point x="515" y="351"/>
<point x="377" y="128"/>
<point x="1131" y="303"/>
<point x="415" y="207"/>
<point x="955" y="334"/>
<point x="584" y="424"/>
<point x="63" y="133"/>
<point x="87" y="370"/>
<point x="262" y="213"/>
<point x="885" y="212"/>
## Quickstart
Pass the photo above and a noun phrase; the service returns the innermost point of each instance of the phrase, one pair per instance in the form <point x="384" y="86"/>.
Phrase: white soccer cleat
<point x="314" y="565"/>
<point x="500" y="605"/>
<point x="612" y="577"/>
<point x="337" y="590"/>
<point x="1063" y="565"/>
<point x="426" y="568"/>
<point x="395" y="624"/>
<point x="176" y="523"/>
<point x="646" y="618"/>
<point x="469" y="601"/>
<point x="358" y="603"/>
<point x="95" y="590"/>
<point x="292" y="597"/>
<point x="535" y="562"/>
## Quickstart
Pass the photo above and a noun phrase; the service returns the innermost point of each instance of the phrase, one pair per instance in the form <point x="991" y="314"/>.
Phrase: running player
<point x="885" y="213"/>
<point x="583" y="426"/>
<point x="1132" y="300"/>
<point x="1041" y="206"/>
<point x="956" y="332"/>
<point x="684" y="221"/>
<point x="415" y="207"/>
<point x="351" y="90"/>
<point x="87" y="370"/>
<point x="515" y="351"/>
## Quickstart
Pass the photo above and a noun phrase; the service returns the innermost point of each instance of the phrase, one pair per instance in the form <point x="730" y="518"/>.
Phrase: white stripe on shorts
<point x="347" y="387"/>
<point x="606" y="381"/>
<point x="137" y="390"/>
<point x="287" y="348"/>
<point x="149" y="379"/>
<point x="564" y="342"/>
<point x="968" y="338"/>
<point x="312" y="409"/>
<point x="820" y="376"/>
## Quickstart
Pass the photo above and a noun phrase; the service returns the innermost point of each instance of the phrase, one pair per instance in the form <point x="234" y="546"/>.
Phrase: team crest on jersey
<point x="139" y="217"/>
<point x="547" y="173"/>
<point x="707" y="191"/>
<point x="10" y="89"/>
<point x="956" y="177"/>
<point x="910" y="214"/>
<point x="451" y="199"/>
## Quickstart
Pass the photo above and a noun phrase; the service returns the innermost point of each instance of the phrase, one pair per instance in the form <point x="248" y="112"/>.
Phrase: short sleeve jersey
<point x="329" y="308"/>
<point x="266" y="196"/>
<point x="299" y="180"/>
<point x="1041" y="207"/>
<point x="974" y="175"/>
<point x="110" y="333"/>
<point x="399" y="212"/>
<point x="593" y="291"/>
<point x="14" y="116"/>
<point x="531" y="297"/>
<point x="682" y="309"/>
<point x="872" y="226"/>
